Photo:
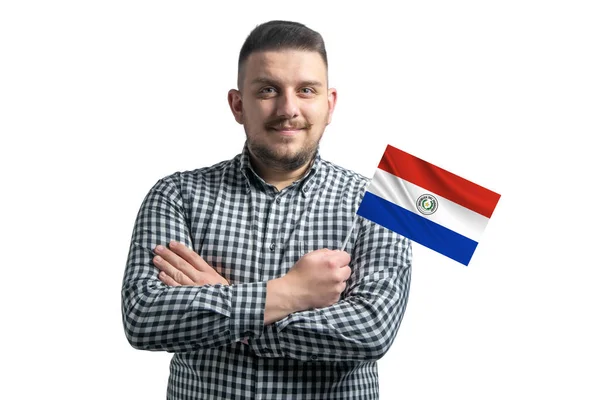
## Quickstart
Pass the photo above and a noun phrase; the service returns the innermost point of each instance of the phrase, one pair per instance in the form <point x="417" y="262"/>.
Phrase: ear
<point x="234" y="97"/>
<point x="331" y="102"/>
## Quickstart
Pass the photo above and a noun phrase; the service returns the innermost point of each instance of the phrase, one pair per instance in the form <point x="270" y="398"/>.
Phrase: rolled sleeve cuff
<point x="247" y="310"/>
<point x="268" y="344"/>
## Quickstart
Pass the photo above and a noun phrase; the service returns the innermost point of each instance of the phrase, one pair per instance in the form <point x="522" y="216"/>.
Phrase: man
<point x="254" y="295"/>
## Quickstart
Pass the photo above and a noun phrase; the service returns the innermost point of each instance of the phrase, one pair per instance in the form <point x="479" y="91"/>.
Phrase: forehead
<point x="286" y="66"/>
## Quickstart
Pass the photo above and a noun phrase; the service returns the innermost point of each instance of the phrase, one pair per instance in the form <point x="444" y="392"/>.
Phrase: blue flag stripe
<point x="417" y="228"/>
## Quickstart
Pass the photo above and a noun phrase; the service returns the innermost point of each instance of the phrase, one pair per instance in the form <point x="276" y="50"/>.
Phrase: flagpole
<point x="348" y="235"/>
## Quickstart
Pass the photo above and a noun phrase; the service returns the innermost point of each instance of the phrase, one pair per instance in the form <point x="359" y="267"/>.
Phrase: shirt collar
<point x="304" y="184"/>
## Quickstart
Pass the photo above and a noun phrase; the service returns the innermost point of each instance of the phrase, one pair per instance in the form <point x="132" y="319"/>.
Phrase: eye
<point x="307" y="90"/>
<point x="267" y="90"/>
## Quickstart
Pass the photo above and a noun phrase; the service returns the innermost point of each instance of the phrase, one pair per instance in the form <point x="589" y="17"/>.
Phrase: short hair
<point x="281" y="35"/>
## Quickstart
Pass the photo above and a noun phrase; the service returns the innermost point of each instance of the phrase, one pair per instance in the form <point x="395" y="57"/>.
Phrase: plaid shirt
<point x="250" y="232"/>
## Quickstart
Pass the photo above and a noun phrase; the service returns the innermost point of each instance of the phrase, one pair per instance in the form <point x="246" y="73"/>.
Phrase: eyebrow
<point x="267" y="81"/>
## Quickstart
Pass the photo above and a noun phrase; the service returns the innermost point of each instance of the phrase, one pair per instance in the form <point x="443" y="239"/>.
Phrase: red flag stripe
<point x="439" y="181"/>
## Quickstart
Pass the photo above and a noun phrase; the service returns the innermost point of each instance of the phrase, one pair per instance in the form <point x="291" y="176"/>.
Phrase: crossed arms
<point x="328" y="306"/>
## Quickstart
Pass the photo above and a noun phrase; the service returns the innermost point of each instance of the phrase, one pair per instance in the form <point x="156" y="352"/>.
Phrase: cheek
<point x="258" y="112"/>
<point x="318" y="114"/>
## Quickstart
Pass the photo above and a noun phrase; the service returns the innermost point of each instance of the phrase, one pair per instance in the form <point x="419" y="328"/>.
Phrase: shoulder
<point x="181" y="182"/>
<point x="343" y="178"/>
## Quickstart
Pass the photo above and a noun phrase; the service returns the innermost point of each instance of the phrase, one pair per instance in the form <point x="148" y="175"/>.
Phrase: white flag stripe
<point x="448" y="214"/>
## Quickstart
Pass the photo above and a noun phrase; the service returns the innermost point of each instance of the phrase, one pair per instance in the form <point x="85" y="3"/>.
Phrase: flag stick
<point x="348" y="235"/>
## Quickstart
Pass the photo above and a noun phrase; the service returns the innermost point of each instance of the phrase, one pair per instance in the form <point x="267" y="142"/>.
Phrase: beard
<point x="282" y="159"/>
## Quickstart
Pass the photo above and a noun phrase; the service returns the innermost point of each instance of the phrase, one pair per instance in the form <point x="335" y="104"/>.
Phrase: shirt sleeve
<point x="183" y="318"/>
<point x="364" y="323"/>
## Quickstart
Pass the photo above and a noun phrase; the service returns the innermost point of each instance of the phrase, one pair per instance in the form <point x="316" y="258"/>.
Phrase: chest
<point x="255" y="236"/>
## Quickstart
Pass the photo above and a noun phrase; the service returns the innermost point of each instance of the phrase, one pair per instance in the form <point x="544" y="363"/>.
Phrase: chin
<point x="286" y="159"/>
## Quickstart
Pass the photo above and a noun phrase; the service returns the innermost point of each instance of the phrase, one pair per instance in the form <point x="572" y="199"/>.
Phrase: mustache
<point x="284" y="123"/>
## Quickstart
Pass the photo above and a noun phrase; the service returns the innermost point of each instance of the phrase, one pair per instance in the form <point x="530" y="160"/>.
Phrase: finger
<point x="345" y="273"/>
<point x="340" y="258"/>
<point x="167" y="280"/>
<point x="175" y="274"/>
<point x="177" y="262"/>
<point x="189" y="255"/>
<point x="337" y="259"/>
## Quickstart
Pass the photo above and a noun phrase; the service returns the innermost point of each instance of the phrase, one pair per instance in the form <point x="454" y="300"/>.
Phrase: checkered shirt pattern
<point x="250" y="233"/>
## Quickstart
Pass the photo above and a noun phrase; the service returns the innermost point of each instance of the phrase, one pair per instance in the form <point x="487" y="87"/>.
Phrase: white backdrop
<point x="98" y="100"/>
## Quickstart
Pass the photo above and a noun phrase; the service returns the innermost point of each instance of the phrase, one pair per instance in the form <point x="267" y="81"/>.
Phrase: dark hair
<point x="281" y="35"/>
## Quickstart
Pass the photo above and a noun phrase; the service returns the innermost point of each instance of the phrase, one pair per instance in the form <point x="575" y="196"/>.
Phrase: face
<point x="284" y="104"/>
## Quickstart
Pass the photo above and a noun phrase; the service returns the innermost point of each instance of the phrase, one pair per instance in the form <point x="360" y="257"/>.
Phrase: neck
<point x="276" y="176"/>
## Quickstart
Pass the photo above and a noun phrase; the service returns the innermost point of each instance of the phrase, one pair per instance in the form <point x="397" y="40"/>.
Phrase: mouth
<point x="287" y="131"/>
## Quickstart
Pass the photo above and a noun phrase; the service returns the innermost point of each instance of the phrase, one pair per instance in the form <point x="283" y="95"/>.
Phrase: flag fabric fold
<point x="427" y="204"/>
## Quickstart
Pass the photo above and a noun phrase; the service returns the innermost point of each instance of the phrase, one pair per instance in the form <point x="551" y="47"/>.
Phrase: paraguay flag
<point x="428" y="204"/>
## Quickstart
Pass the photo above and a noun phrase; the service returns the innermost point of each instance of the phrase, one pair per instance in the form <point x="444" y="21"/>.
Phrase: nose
<point x="287" y="105"/>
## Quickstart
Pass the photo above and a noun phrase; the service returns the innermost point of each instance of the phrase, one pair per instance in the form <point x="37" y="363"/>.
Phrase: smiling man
<point x="235" y="267"/>
<point x="284" y="104"/>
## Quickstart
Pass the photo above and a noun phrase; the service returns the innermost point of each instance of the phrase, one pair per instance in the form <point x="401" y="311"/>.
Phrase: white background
<point x="98" y="100"/>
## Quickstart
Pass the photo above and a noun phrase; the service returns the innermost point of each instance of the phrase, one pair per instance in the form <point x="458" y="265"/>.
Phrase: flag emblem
<point x="428" y="204"/>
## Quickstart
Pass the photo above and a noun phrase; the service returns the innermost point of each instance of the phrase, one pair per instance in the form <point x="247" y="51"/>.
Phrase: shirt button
<point x="278" y="200"/>
<point x="272" y="246"/>
<point x="314" y="357"/>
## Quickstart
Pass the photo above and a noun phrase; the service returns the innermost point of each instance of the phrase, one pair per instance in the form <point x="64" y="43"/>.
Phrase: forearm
<point x="364" y="323"/>
<point x="360" y="327"/>
<point x="159" y="317"/>
<point x="278" y="304"/>
<point x="184" y="318"/>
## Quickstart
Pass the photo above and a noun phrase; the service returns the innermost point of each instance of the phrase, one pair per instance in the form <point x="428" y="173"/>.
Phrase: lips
<point x="287" y="131"/>
<point x="287" y="128"/>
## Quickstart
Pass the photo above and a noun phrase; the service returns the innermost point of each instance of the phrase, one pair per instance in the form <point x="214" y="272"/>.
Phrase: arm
<point x="364" y="323"/>
<point x="181" y="318"/>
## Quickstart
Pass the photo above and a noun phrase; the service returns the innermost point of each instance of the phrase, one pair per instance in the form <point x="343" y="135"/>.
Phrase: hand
<point x="318" y="278"/>
<point x="180" y="265"/>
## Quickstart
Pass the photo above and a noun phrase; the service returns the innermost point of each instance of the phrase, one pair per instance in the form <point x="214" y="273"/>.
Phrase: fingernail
<point x="172" y="243"/>
<point x="157" y="259"/>
<point x="159" y="248"/>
